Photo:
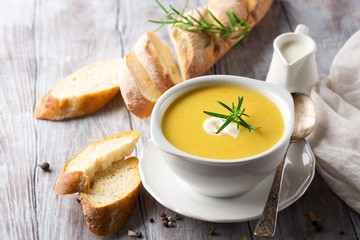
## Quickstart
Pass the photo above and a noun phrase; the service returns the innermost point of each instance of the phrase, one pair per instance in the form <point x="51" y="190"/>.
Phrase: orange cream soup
<point x="182" y="123"/>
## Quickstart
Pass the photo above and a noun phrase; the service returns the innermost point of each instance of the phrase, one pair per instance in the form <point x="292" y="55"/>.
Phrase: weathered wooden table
<point x="43" y="41"/>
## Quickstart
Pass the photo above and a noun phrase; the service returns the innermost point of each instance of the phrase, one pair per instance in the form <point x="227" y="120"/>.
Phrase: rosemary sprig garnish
<point x="205" y="23"/>
<point x="236" y="114"/>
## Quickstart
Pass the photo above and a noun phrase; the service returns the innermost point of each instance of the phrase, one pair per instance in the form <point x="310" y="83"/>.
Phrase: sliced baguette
<point x="137" y="89"/>
<point x="82" y="92"/>
<point x="156" y="58"/>
<point x="193" y="55"/>
<point x="109" y="203"/>
<point x="78" y="172"/>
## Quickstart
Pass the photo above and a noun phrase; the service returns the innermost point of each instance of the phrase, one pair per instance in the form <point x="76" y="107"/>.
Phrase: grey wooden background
<point x="42" y="41"/>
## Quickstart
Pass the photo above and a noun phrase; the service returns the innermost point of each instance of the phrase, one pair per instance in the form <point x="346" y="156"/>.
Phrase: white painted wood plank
<point x="17" y="144"/>
<point x="41" y="42"/>
<point x="331" y="23"/>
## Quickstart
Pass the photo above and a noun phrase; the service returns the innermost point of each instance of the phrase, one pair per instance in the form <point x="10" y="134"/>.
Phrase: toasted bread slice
<point x="137" y="89"/>
<point x="78" y="172"/>
<point x="82" y="92"/>
<point x="156" y="58"/>
<point x="110" y="201"/>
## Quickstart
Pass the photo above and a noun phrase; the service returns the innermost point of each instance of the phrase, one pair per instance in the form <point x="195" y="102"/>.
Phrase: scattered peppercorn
<point x="165" y="223"/>
<point x="78" y="198"/>
<point x="177" y="216"/>
<point x="45" y="166"/>
<point x="169" y="221"/>
<point x="342" y="232"/>
<point x="151" y="220"/>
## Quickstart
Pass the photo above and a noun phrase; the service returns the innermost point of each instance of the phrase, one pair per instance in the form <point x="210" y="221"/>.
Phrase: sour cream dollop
<point x="211" y="125"/>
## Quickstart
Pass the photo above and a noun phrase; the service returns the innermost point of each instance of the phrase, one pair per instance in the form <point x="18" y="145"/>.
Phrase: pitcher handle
<point x="302" y="29"/>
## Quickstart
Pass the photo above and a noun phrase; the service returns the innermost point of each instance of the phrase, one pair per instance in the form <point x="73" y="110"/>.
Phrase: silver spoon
<point x="305" y="117"/>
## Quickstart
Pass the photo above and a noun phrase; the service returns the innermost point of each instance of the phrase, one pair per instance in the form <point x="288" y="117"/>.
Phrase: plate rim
<point x="283" y="204"/>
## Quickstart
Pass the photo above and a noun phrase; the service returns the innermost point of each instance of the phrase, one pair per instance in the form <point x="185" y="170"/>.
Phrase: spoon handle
<point x="267" y="223"/>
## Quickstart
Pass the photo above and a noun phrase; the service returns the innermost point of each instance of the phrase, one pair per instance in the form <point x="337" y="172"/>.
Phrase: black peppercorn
<point x="165" y="223"/>
<point x="45" y="166"/>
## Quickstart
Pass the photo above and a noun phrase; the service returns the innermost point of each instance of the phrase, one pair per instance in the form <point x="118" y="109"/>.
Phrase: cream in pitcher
<point x="293" y="64"/>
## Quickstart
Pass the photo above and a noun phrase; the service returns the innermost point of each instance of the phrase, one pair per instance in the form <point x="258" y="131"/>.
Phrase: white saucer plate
<point x="168" y="190"/>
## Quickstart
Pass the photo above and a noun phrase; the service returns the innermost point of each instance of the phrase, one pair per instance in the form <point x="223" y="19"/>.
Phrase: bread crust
<point x="76" y="181"/>
<point x="257" y="10"/>
<point x="146" y="73"/>
<point x="148" y="57"/>
<point x="135" y="101"/>
<point x="54" y="108"/>
<point x="193" y="56"/>
<point x="71" y="182"/>
<point x="107" y="219"/>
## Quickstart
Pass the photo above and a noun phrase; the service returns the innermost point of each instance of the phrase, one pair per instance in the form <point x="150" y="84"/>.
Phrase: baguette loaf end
<point x="82" y="92"/>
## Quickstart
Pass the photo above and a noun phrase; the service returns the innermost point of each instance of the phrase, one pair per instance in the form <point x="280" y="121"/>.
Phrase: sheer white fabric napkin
<point x="335" y="140"/>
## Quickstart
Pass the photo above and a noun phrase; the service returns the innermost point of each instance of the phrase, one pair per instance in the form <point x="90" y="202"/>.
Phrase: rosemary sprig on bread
<point x="208" y="23"/>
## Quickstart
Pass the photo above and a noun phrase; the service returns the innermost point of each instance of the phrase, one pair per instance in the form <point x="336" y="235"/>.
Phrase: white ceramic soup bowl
<point x="222" y="178"/>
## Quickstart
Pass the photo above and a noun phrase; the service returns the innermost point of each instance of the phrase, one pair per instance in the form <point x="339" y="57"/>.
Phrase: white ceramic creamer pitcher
<point x="293" y="63"/>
